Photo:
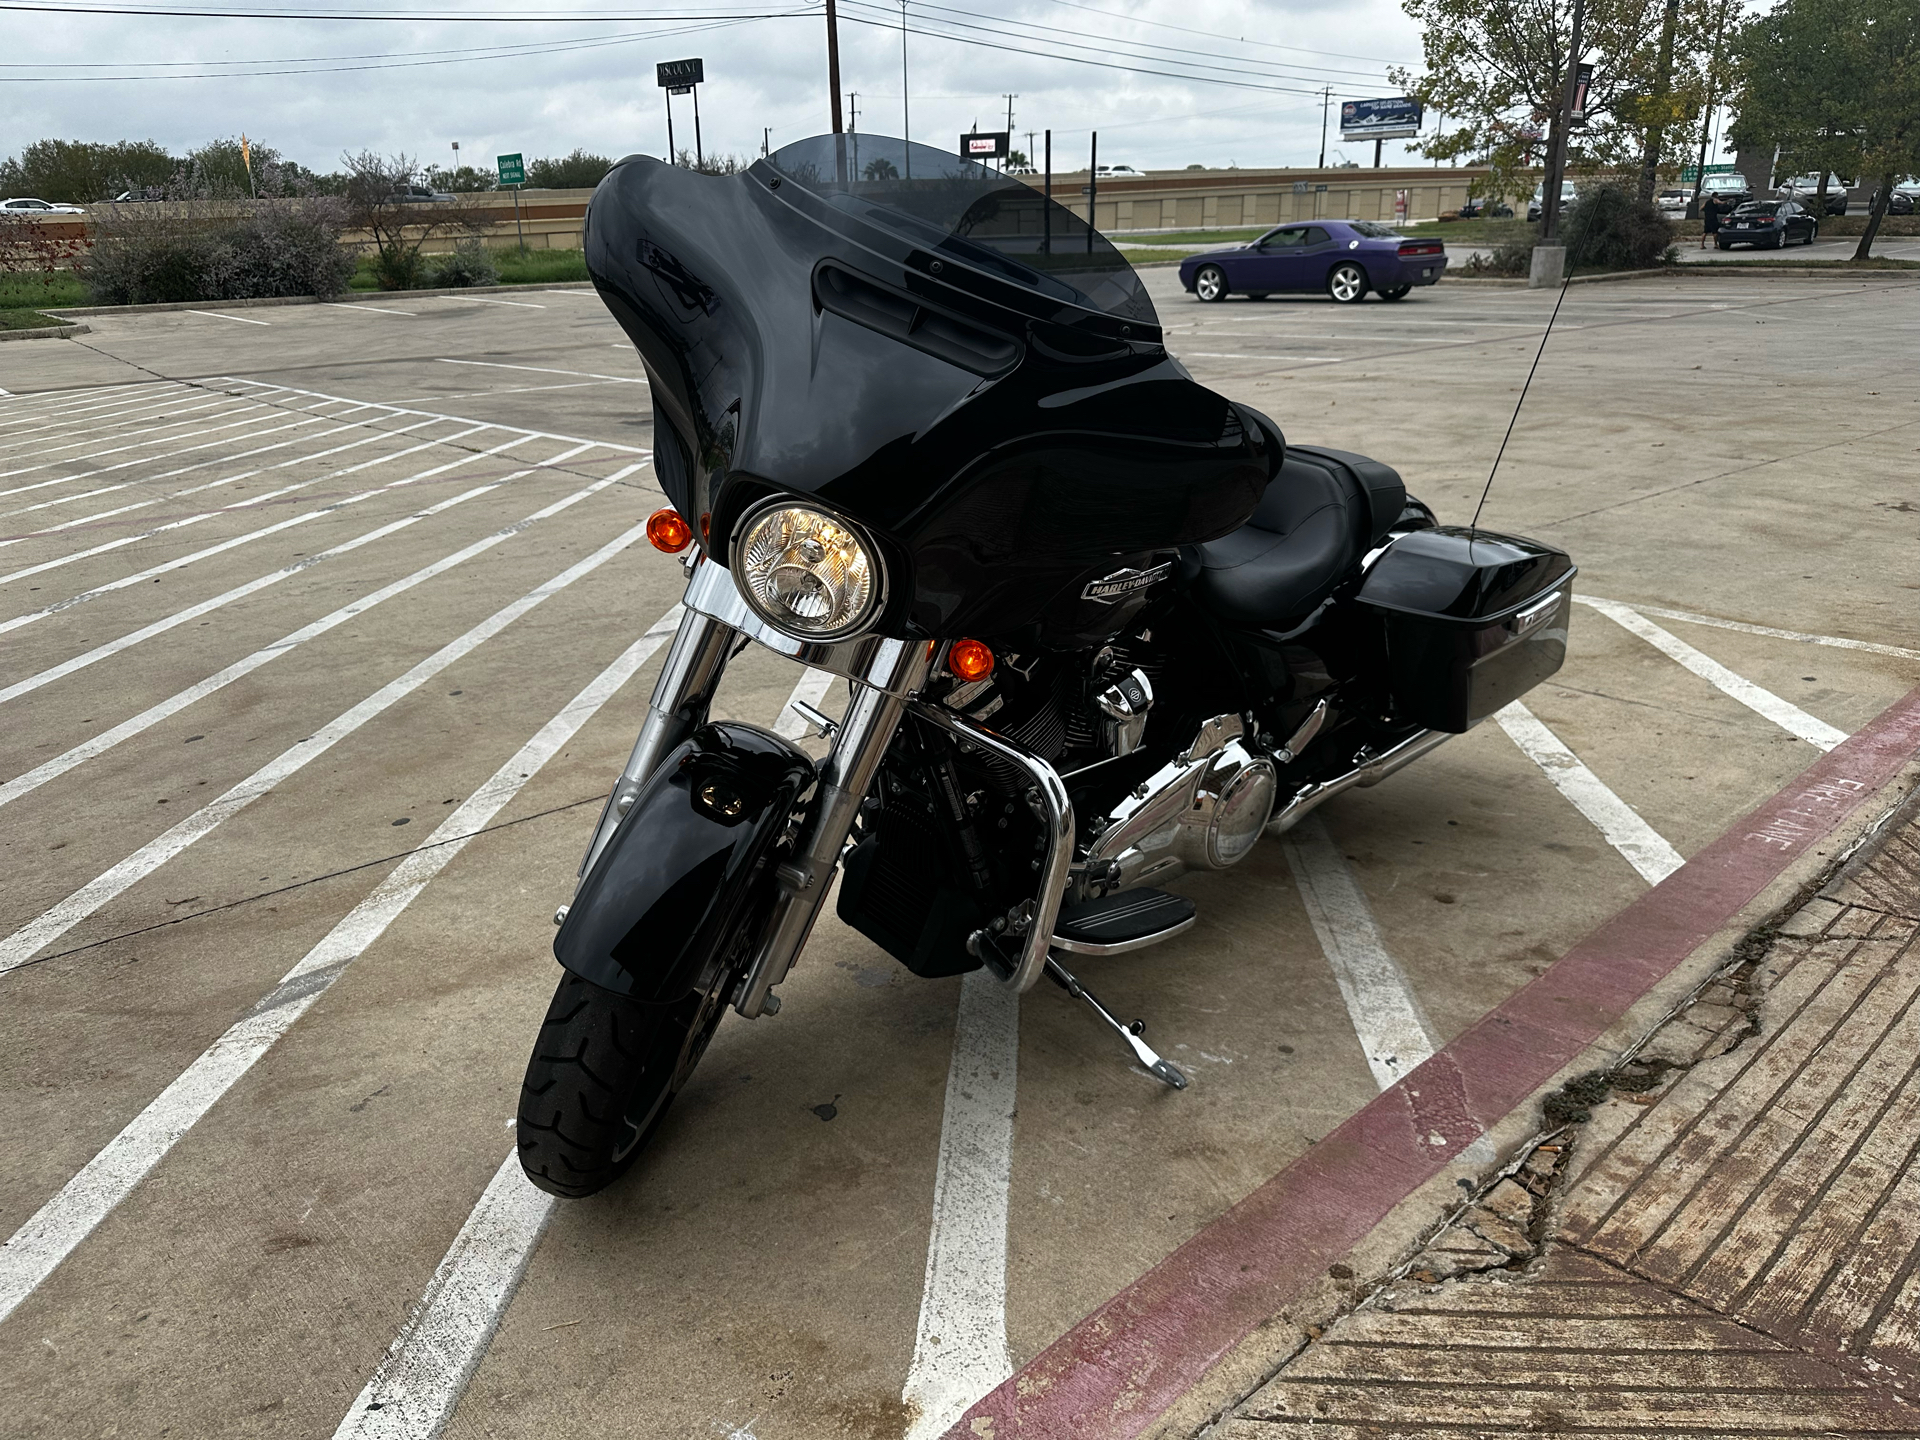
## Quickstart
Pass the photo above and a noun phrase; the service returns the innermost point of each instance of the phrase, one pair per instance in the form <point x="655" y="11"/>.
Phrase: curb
<point x="1120" y="1369"/>
<point x="47" y="332"/>
<point x="352" y="297"/>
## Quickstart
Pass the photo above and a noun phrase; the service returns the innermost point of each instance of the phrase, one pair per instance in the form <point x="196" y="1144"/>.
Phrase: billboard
<point x="990" y="145"/>
<point x="679" y="76"/>
<point x="1379" y="119"/>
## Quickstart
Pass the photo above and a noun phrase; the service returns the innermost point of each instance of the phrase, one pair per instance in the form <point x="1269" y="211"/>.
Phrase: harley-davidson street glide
<point x="1101" y="625"/>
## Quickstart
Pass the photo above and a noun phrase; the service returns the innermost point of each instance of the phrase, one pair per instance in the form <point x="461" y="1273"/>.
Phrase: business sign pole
<point x="513" y="174"/>
<point x="680" y="77"/>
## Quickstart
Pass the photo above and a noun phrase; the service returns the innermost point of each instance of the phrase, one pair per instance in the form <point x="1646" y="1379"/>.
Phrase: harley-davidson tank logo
<point x="1123" y="583"/>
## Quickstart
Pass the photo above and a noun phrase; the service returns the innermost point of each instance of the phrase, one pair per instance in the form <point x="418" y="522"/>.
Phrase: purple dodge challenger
<point x="1345" y="258"/>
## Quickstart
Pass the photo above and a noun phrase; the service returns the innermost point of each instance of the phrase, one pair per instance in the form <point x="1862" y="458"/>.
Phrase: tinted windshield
<point x="1758" y="207"/>
<point x="1373" y="231"/>
<point x="995" y="223"/>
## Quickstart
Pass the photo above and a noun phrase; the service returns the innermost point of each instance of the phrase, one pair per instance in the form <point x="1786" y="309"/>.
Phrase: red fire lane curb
<point x="1120" y="1368"/>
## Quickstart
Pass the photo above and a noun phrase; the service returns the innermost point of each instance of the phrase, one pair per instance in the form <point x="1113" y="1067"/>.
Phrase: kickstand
<point x="1143" y="1052"/>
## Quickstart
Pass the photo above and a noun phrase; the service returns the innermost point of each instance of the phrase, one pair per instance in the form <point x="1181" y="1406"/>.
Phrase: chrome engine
<point x="1202" y="810"/>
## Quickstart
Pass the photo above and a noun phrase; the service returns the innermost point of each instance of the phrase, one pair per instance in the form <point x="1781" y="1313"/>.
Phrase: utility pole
<point x="906" y="113"/>
<point x="1029" y="151"/>
<point x="1706" y="116"/>
<point x="1093" y="186"/>
<point x="699" y="156"/>
<point x="1662" y="87"/>
<point x="853" y="110"/>
<point x="766" y="140"/>
<point x="1326" y="99"/>
<point x="1046" y="209"/>
<point x="1561" y="135"/>
<point x="1379" y="142"/>
<point x="833" y="64"/>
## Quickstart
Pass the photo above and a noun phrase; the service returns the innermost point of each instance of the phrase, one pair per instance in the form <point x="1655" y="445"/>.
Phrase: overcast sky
<point x="770" y="73"/>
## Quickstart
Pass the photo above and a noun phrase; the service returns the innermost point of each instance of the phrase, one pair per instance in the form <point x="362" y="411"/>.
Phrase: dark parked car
<point x="1901" y="201"/>
<point x="1772" y="223"/>
<point x="1480" y="208"/>
<point x="1345" y="258"/>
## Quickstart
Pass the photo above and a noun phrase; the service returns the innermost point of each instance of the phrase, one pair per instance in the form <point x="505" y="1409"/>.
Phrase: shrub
<point x="202" y="253"/>
<point x="469" y="264"/>
<point x="1609" y="227"/>
<point x="1512" y="252"/>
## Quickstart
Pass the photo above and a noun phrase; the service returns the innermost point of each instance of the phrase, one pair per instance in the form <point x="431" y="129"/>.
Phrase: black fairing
<point x="652" y="912"/>
<point x="937" y="352"/>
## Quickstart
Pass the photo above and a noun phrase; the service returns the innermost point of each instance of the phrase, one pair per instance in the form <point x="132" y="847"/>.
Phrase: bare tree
<point x="384" y="204"/>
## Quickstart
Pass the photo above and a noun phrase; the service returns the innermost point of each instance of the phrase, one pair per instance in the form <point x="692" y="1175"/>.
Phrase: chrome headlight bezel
<point x="861" y="623"/>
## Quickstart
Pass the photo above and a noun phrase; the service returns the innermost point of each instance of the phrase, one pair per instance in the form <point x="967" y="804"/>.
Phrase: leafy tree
<point x="466" y="180"/>
<point x="1838" y="83"/>
<point x="78" y="172"/>
<point x="1497" y="70"/>
<point x="578" y="171"/>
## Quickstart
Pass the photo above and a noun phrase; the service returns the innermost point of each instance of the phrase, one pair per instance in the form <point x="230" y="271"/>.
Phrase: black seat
<point x="1320" y="514"/>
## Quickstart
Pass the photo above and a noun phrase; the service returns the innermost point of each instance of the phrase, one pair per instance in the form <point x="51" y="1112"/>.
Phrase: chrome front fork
<point x="681" y="696"/>
<point x="885" y="673"/>
<point x="858" y="745"/>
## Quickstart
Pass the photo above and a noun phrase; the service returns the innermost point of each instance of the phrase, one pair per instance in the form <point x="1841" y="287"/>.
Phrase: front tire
<point x="1347" y="283"/>
<point x="1210" y="284"/>
<point x="603" y="1072"/>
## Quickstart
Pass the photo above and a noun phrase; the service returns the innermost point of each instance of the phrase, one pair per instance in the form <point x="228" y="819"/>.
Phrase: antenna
<point x="1585" y="225"/>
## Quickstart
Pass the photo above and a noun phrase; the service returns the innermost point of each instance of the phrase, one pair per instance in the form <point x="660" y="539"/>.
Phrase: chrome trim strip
<point x="1120" y="947"/>
<point x="865" y="658"/>
<point x="1058" y="820"/>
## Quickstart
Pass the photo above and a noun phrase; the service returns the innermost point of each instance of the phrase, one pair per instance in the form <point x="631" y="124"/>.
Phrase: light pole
<point x="833" y="64"/>
<point x="1326" y="99"/>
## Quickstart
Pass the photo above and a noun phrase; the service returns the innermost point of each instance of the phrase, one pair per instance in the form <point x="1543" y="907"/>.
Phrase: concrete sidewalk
<point x="1723" y="1237"/>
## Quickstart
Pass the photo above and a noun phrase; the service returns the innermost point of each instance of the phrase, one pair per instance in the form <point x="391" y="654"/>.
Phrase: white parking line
<point x="36" y="406"/>
<point x="413" y="1393"/>
<point x="377" y="310"/>
<point x="99" y="744"/>
<point x="150" y="480"/>
<point x="1302" y="359"/>
<point x="193" y="612"/>
<point x="237" y="319"/>
<point x="1836" y="641"/>
<point x="45" y="565"/>
<point x="810" y="690"/>
<point x="42" y="931"/>
<point x="546" y="370"/>
<point x="429" y="414"/>
<point x="103" y="413"/>
<point x="53" y="1232"/>
<point x="1784" y="713"/>
<point x="89" y="435"/>
<point x="483" y="300"/>
<point x="1639" y="843"/>
<point x="960" y="1343"/>
<point x="1392" y="1029"/>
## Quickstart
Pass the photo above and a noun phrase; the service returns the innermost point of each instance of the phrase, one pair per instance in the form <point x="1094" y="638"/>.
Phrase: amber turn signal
<point x="970" y="660"/>
<point x="669" y="531"/>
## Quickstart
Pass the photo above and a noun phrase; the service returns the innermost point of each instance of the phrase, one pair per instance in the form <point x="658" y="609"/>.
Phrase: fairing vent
<point x="912" y="322"/>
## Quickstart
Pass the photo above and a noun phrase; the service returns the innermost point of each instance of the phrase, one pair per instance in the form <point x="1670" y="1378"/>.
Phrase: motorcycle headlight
<point x="807" y="573"/>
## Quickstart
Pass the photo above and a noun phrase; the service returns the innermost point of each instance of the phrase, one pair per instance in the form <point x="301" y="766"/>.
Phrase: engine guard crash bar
<point x="1056" y="816"/>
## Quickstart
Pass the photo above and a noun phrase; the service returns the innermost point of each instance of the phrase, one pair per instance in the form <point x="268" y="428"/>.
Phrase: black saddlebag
<point x="1473" y="620"/>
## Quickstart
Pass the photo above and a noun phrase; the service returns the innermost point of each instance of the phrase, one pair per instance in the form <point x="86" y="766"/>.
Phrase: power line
<point x="395" y="62"/>
<point x="890" y="24"/>
<point x="1216" y="35"/>
<point x="410" y="17"/>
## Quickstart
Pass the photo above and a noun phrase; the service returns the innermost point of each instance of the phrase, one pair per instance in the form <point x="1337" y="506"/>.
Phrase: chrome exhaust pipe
<point x="1369" y="772"/>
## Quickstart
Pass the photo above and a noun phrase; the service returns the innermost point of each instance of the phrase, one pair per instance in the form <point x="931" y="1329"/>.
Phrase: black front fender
<point x="695" y="850"/>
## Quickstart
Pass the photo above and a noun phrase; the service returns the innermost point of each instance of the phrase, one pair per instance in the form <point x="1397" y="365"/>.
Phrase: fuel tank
<point x="937" y="352"/>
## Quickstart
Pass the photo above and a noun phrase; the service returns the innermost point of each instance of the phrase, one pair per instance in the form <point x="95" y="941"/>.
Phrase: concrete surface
<point x="1720" y="1239"/>
<point x="1739" y="451"/>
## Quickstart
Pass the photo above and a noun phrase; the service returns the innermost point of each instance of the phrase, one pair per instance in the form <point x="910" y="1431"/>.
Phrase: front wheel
<point x="1347" y="282"/>
<point x="604" y="1070"/>
<point x="1397" y="292"/>
<point x="1211" y="283"/>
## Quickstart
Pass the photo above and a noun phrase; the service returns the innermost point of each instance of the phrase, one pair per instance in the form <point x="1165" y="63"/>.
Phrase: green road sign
<point x="512" y="171"/>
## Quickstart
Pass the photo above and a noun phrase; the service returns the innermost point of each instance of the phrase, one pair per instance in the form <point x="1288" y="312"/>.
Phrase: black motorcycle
<point x="920" y="429"/>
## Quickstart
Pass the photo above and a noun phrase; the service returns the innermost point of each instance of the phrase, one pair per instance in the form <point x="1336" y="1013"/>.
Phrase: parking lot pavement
<point x="324" y="636"/>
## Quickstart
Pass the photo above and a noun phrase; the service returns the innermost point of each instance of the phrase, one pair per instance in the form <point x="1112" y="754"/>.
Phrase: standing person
<point x="1710" y="214"/>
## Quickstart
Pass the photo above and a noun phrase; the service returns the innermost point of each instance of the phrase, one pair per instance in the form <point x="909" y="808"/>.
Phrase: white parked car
<point x="27" y="205"/>
<point x="1673" y="202"/>
<point x="1806" y="187"/>
<point x="1116" y="170"/>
